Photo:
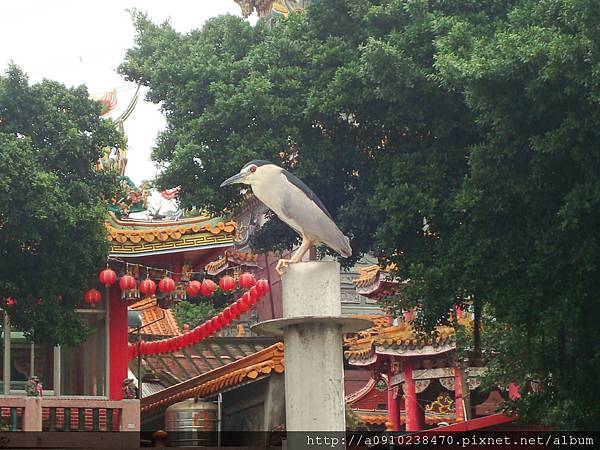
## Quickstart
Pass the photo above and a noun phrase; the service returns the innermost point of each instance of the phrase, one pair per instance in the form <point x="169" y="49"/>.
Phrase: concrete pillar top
<point x="312" y="289"/>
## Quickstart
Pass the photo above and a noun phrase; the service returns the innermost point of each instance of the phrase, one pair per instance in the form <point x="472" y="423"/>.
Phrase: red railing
<point x="68" y="414"/>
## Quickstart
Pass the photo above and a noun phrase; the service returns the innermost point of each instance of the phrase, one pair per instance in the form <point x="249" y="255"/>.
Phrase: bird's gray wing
<point x="308" y="191"/>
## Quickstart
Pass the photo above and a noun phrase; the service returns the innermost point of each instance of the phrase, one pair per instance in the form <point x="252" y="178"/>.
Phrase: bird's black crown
<point x="257" y="163"/>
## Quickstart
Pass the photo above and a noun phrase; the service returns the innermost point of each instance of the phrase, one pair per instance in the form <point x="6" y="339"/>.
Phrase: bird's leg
<point x="283" y="263"/>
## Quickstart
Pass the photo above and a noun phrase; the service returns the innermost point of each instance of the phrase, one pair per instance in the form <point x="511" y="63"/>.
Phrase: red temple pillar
<point x="415" y="416"/>
<point x="117" y="341"/>
<point x="393" y="404"/>
<point x="459" y="405"/>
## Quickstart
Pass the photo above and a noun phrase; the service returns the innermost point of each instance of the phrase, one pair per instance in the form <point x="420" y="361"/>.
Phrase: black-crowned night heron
<point x="294" y="203"/>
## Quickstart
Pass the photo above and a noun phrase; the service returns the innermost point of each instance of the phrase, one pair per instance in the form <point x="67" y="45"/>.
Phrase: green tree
<point x="457" y="139"/>
<point x="52" y="203"/>
<point x="193" y="314"/>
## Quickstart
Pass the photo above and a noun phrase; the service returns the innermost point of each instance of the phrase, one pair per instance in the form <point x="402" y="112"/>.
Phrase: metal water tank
<point x="192" y="423"/>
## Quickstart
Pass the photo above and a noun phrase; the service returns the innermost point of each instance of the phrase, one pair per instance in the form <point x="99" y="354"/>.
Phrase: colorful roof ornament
<point x="375" y="283"/>
<point x="231" y="259"/>
<point x="108" y="102"/>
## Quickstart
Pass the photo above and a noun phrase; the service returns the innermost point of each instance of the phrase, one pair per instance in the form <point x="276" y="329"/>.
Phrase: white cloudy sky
<point x="82" y="42"/>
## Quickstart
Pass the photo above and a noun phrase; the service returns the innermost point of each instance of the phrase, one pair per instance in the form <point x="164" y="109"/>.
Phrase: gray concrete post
<point x="314" y="370"/>
<point x="312" y="328"/>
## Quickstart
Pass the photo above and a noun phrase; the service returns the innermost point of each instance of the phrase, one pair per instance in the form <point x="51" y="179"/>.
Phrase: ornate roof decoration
<point x="379" y="417"/>
<point x="259" y="364"/>
<point x="155" y="320"/>
<point x="263" y="7"/>
<point x="267" y="7"/>
<point x="230" y="258"/>
<point x="374" y="282"/>
<point x="399" y="340"/>
<point x="108" y="102"/>
<point x="137" y="238"/>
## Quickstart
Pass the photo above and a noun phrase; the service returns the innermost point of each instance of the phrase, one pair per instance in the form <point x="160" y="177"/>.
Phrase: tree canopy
<point x="52" y="203"/>
<point x="456" y="139"/>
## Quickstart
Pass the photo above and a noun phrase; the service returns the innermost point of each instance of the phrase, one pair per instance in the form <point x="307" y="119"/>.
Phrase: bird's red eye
<point x="252" y="168"/>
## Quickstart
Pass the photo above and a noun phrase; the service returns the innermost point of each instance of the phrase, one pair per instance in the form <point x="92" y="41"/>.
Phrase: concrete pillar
<point x="314" y="370"/>
<point x="312" y="328"/>
<point x="130" y="415"/>
<point x="32" y="414"/>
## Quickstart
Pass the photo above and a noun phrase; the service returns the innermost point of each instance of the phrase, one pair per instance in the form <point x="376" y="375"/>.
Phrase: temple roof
<point x="399" y="340"/>
<point x="230" y="258"/>
<point x="155" y="320"/>
<point x="140" y="238"/>
<point x="161" y="371"/>
<point x="374" y="282"/>
<point x="380" y="417"/>
<point x="248" y="368"/>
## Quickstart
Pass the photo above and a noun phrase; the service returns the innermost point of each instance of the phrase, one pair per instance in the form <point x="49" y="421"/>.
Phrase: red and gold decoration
<point x="127" y="283"/>
<point x="166" y="285"/>
<point x="108" y="277"/>
<point x="247" y="280"/>
<point x="147" y="287"/>
<point x="207" y="288"/>
<point x="202" y="331"/>
<point x="193" y="288"/>
<point x="227" y="283"/>
<point x="92" y="297"/>
<point x="129" y="288"/>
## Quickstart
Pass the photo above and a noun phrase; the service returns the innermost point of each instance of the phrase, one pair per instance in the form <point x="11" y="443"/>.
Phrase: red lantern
<point x="198" y="334"/>
<point x="108" y="277"/>
<point x="262" y="286"/>
<point x="235" y="309"/>
<point x="216" y="323"/>
<point x="227" y="314"/>
<point x="193" y="288"/>
<point x="127" y="283"/>
<point x="148" y="287"/>
<point x="10" y="301"/>
<point x="243" y="306"/>
<point x="254" y="293"/>
<point x="91" y="297"/>
<point x="227" y="283"/>
<point x="247" y="280"/>
<point x="208" y="327"/>
<point x="247" y="299"/>
<point x="166" y="285"/>
<point x="207" y="288"/>
<point x="222" y="320"/>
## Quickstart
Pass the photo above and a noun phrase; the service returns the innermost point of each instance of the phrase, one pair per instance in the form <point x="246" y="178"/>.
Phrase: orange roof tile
<point x="251" y="367"/>
<point x="403" y="338"/>
<point x="155" y="320"/>
<point x="230" y="256"/>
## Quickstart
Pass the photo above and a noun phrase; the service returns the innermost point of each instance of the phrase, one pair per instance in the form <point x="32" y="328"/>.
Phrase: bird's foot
<point x="282" y="264"/>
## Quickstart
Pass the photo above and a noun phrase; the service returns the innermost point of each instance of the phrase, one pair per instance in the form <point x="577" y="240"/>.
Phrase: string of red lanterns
<point x="243" y="304"/>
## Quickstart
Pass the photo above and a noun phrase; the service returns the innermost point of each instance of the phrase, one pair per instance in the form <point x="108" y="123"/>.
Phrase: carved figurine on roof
<point x="270" y="8"/>
<point x="129" y="198"/>
<point x="115" y="158"/>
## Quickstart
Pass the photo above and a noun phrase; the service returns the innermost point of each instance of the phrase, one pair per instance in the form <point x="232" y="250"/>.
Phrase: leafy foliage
<point x="456" y="139"/>
<point x="52" y="203"/>
<point x="193" y="314"/>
